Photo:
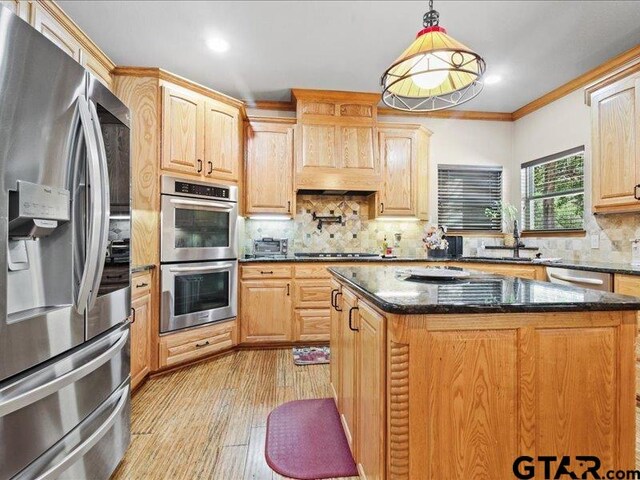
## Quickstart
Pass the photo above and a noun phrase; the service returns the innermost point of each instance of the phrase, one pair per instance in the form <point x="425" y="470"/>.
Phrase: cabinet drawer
<point x="312" y="293"/>
<point x="193" y="344"/>
<point x="266" y="271"/>
<point x="140" y="284"/>
<point x="312" y="325"/>
<point x="312" y="271"/>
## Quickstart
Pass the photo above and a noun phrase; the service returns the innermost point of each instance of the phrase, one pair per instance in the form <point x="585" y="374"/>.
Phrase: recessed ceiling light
<point x="491" y="79"/>
<point x="218" y="45"/>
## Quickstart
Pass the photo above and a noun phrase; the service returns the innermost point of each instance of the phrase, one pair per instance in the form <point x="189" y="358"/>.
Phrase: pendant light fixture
<point x="436" y="72"/>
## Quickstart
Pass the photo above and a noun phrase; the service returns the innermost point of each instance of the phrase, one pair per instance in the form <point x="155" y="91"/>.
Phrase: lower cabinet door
<point x="312" y="325"/>
<point x="140" y="338"/>
<point x="371" y="393"/>
<point x="335" y="340"/>
<point x="266" y="311"/>
<point x="348" y="375"/>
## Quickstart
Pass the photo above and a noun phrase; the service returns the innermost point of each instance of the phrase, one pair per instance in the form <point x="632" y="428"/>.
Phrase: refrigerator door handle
<point x="95" y="207"/>
<point x="106" y="202"/>
<point x="21" y="400"/>
<point x="80" y="450"/>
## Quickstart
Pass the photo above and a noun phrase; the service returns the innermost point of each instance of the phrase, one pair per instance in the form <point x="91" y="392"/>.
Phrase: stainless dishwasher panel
<point x="580" y="278"/>
<point x="40" y="408"/>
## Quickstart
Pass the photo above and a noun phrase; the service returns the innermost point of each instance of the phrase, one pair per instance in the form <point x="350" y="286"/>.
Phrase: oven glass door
<point x="197" y="293"/>
<point x="198" y="229"/>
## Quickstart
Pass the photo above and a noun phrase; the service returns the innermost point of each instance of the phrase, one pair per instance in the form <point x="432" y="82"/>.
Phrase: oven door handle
<point x="201" y="269"/>
<point x="196" y="203"/>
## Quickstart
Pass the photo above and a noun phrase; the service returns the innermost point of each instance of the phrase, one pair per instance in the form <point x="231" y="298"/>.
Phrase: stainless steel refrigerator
<point x="64" y="297"/>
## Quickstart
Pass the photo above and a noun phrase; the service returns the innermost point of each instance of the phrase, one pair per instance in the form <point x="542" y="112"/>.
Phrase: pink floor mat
<point x="305" y="440"/>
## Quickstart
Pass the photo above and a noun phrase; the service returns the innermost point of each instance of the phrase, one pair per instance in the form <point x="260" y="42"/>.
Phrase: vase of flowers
<point x="435" y="243"/>
<point x="508" y="213"/>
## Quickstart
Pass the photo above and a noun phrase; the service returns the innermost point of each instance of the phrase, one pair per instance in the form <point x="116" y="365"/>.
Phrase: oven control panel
<point x="201" y="190"/>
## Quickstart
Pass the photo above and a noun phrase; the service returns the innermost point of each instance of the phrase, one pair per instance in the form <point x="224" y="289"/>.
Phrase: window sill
<point x="475" y="233"/>
<point x="554" y="233"/>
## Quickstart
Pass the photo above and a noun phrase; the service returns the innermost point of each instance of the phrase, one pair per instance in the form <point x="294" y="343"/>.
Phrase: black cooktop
<point x="335" y="255"/>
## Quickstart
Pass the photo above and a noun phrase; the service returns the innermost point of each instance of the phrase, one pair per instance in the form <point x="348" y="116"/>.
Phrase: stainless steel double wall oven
<point x="64" y="331"/>
<point x="199" y="253"/>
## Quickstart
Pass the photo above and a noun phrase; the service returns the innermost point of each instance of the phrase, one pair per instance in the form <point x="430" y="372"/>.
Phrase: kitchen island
<point x="457" y="379"/>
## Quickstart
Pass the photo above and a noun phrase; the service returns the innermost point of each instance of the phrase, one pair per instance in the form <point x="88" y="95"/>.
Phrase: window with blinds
<point x="464" y="193"/>
<point x="553" y="192"/>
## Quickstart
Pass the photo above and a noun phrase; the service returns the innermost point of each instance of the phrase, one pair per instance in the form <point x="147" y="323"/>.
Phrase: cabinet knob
<point x="336" y="302"/>
<point x="143" y="284"/>
<point x="133" y="315"/>
<point x="289" y="206"/>
<point x="199" y="165"/>
<point x="288" y="289"/>
<point x="635" y="192"/>
<point x="270" y="272"/>
<point x="381" y="207"/>
<point x="210" y="163"/>
<point x="200" y="345"/>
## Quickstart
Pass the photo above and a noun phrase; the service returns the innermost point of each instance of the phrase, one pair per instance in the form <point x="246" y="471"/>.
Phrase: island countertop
<point x="389" y="289"/>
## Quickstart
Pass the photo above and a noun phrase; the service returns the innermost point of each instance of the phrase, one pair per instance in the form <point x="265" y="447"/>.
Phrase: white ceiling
<point x="276" y="45"/>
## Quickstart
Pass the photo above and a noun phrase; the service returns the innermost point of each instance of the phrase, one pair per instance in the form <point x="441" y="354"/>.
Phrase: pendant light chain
<point x="432" y="17"/>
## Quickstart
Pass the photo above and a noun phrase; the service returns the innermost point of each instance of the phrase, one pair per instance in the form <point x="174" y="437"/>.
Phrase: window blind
<point x="553" y="192"/>
<point x="464" y="193"/>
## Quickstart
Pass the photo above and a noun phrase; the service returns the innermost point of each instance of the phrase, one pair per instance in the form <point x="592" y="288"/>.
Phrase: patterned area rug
<point x="311" y="355"/>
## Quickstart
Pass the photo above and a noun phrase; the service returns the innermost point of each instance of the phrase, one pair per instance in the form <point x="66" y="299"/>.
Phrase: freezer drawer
<point x="38" y="409"/>
<point x="93" y="449"/>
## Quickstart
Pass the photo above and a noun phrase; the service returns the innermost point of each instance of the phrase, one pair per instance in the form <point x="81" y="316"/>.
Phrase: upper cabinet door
<point x="100" y="71"/>
<point x="182" y="123"/>
<point x="269" y="168"/>
<point x="615" y="150"/>
<point x="54" y="31"/>
<point x="398" y="155"/>
<point x="318" y="147"/>
<point x="19" y="7"/>
<point x="221" y="141"/>
<point x="358" y="149"/>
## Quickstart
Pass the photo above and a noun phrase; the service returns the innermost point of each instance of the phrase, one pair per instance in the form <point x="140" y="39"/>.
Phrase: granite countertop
<point x="142" y="268"/>
<point x="605" y="267"/>
<point x="387" y="288"/>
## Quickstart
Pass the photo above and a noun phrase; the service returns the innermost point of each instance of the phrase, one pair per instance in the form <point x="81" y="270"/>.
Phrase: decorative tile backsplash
<point x="358" y="233"/>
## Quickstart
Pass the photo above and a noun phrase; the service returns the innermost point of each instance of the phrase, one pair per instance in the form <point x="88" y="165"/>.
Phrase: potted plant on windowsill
<point x="508" y="213"/>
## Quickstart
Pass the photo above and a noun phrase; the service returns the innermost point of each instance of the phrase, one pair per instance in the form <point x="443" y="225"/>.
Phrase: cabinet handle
<point x="289" y="206"/>
<point x="199" y="165"/>
<point x="133" y="315"/>
<point x="350" y="325"/>
<point x="210" y="167"/>
<point x="266" y="273"/>
<point x="288" y="289"/>
<point x="336" y="305"/>
<point x="143" y="284"/>
<point x="635" y="192"/>
<point x="381" y="207"/>
<point x="333" y="292"/>
<point x="200" y="345"/>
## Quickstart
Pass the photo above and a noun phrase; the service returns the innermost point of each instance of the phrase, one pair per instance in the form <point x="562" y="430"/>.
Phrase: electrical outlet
<point x="595" y="241"/>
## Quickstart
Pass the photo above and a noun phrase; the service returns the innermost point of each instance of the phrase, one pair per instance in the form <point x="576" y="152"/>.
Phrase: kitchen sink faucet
<point x="516" y="238"/>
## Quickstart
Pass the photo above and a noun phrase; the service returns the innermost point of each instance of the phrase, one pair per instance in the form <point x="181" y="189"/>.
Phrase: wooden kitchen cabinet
<point x="615" y="137"/>
<point x="269" y="167"/>
<point x="531" y="272"/>
<point x="370" y="403"/>
<point x="200" y="136"/>
<point x="98" y="69"/>
<point x="404" y="157"/>
<point x="266" y="311"/>
<point x="19" y="7"/>
<point x="335" y="342"/>
<point x="630" y="285"/>
<point x="182" y="125"/>
<point x="348" y="354"/>
<point x="193" y="344"/>
<point x="311" y="324"/>
<point x="51" y="28"/>
<point x="221" y="141"/>
<point x="140" y="327"/>
<point x="336" y="141"/>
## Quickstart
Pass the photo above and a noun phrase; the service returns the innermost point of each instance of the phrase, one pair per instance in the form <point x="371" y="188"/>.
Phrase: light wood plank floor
<point x="209" y="421"/>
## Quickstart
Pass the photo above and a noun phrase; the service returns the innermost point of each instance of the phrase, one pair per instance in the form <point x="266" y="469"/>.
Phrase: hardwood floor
<point x="209" y="420"/>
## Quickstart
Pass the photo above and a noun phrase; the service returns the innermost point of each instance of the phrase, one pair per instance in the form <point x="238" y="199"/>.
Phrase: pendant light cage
<point x="436" y="72"/>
